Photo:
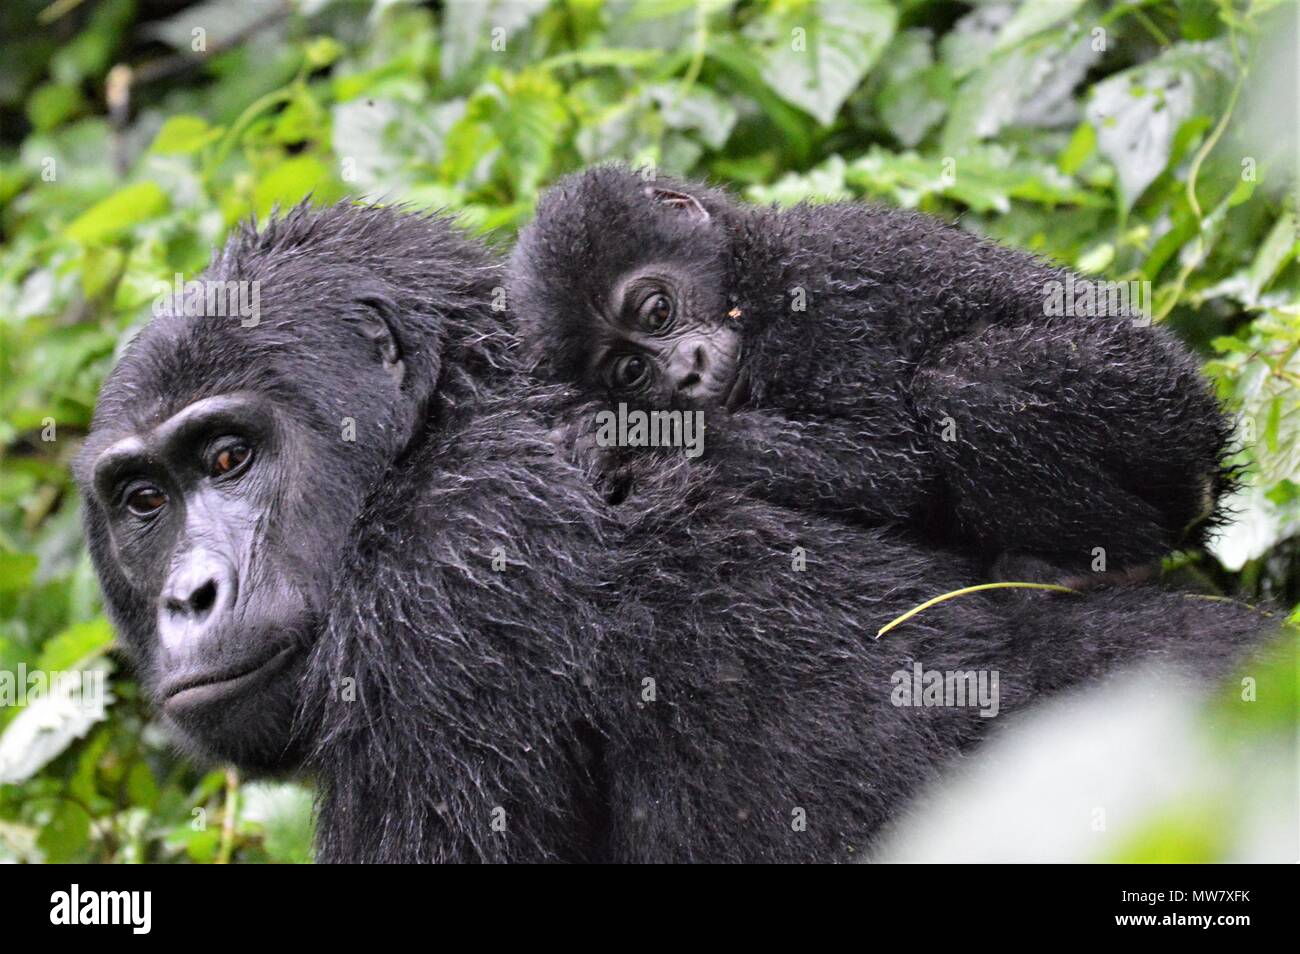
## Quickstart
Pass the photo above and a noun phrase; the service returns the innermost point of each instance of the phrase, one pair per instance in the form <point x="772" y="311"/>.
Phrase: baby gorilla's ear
<point x="379" y="317"/>
<point x="679" y="200"/>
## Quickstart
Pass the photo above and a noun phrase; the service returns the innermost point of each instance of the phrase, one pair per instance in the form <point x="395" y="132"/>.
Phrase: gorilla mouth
<point x="207" y="687"/>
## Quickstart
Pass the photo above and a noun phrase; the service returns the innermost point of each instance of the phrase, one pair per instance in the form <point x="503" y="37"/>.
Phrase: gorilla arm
<point x="465" y="645"/>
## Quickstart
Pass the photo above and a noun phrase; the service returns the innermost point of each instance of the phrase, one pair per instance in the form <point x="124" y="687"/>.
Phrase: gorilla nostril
<point x="203" y="599"/>
<point x="199" y="602"/>
<point x="688" y="382"/>
<point x="701" y="358"/>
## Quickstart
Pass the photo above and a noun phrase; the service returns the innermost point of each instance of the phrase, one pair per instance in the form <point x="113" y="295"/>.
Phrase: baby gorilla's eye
<point x="658" y="313"/>
<point x="145" y="501"/>
<point x="629" y="371"/>
<point x="230" y="459"/>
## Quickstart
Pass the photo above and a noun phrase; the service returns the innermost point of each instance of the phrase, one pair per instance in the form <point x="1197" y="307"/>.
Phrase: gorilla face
<point x="187" y="507"/>
<point x="227" y="465"/>
<point x="661" y="339"/>
<point x="620" y="285"/>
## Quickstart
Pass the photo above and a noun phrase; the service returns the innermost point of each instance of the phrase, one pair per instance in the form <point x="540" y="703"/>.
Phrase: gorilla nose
<point x="194" y="599"/>
<point x="691" y="365"/>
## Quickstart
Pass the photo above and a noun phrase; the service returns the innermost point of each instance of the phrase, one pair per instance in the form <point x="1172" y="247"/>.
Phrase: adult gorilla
<point x="353" y="510"/>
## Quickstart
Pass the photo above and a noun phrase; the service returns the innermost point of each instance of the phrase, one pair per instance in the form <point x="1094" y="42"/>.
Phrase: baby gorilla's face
<point x="663" y="339"/>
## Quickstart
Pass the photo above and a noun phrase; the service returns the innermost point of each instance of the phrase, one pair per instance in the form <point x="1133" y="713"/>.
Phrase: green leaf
<point x="16" y="571"/>
<point x="823" y="184"/>
<point x="51" y="105"/>
<point x="118" y="213"/>
<point x="50" y="722"/>
<point x="282" y="812"/>
<point x="985" y="178"/>
<point x="818" y="54"/>
<point x="699" y="109"/>
<point x="472" y="29"/>
<point x="528" y="117"/>
<point x="1083" y="143"/>
<point x="1026" y="85"/>
<point x="913" y="106"/>
<point x="182" y="135"/>
<point x="141" y="786"/>
<point x="1032" y="18"/>
<point x="291" y="181"/>
<point x="1278" y="249"/>
<point x="77" y="645"/>
<point x="603" y="56"/>
<point x="1139" y="112"/>
<point x="67" y="833"/>
<point x="1096" y="259"/>
<point x="322" y="52"/>
<point x="1179" y="834"/>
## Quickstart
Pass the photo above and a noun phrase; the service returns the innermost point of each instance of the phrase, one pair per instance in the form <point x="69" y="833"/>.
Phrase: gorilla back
<point x="342" y="535"/>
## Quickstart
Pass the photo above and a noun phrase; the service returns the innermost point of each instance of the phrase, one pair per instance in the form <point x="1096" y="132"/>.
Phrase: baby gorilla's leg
<point x="1091" y="445"/>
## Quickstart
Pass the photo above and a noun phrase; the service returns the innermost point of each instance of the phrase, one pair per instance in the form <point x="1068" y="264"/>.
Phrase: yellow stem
<point x="1054" y="587"/>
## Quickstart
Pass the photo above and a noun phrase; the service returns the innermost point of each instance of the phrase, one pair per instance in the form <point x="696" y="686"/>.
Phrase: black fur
<point x="1071" y="433"/>
<point x="440" y="694"/>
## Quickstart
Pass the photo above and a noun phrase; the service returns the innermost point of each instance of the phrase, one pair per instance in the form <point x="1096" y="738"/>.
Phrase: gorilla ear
<point x="679" y="200"/>
<point x="378" y="318"/>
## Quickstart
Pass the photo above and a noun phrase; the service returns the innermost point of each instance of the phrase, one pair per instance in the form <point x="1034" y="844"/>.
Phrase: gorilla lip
<point x="209" y="686"/>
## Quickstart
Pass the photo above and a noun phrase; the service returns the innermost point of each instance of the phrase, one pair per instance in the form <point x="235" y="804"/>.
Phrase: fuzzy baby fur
<point x="899" y="370"/>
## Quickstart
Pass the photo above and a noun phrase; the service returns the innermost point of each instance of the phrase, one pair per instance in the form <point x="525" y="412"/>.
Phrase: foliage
<point x="1144" y="140"/>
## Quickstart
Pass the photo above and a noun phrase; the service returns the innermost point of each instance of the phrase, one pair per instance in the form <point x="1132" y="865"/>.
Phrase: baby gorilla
<point x="877" y="365"/>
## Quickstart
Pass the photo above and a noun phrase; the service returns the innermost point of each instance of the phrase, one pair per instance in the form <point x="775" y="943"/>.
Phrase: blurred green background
<point x="1149" y="141"/>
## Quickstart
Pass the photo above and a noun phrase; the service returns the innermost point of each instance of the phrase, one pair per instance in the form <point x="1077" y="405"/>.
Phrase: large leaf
<point x="213" y="24"/>
<point x="1030" y="85"/>
<point x="986" y="179"/>
<point x="76" y="646"/>
<point x="291" y="181"/>
<point x="699" y="109"/>
<point x="1033" y="17"/>
<point x="816" y="56"/>
<point x="470" y="29"/>
<point x="118" y="213"/>
<point x="46" y="727"/>
<point x="181" y="135"/>
<point x="1137" y="113"/>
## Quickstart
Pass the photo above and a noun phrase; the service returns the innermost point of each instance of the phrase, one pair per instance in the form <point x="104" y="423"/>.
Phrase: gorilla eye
<point x="230" y="459"/>
<point x="145" y="501"/>
<point x="629" y="371"/>
<point x="658" y="313"/>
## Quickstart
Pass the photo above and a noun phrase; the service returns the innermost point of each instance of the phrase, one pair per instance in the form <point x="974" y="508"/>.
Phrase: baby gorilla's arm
<point x="873" y="471"/>
<point x="1091" y="442"/>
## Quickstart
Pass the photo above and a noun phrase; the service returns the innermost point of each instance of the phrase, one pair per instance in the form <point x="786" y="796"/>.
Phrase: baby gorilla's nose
<point x="694" y="365"/>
